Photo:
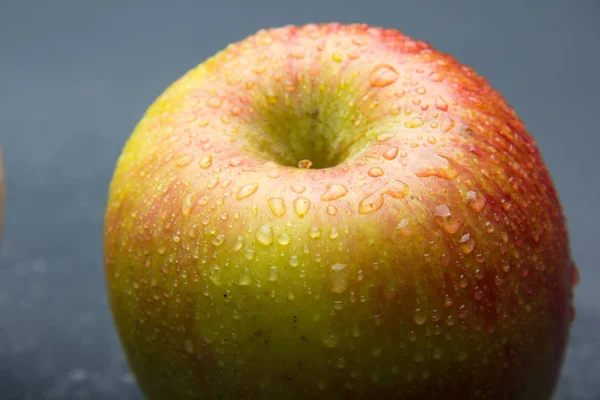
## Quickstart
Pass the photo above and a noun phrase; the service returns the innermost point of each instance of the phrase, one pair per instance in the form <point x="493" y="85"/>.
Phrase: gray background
<point x="75" y="76"/>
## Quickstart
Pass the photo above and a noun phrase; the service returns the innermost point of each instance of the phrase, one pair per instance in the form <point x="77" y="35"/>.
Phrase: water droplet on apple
<point x="374" y="202"/>
<point x="212" y="183"/>
<point x="375" y="172"/>
<point x="314" y="232"/>
<point x="475" y="201"/>
<point x="301" y="206"/>
<point x="294" y="261"/>
<point x="298" y="188"/>
<point x="448" y="172"/>
<point x="331" y="210"/>
<point x="331" y="340"/>
<point x="334" y="191"/>
<point x="249" y="254"/>
<point x="205" y="162"/>
<point x="218" y="240"/>
<point x="246" y="191"/>
<point x="264" y="234"/>
<point x="284" y="239"/>
<point x="420" y="317"/>
<point x="239" y="242"/>
<point x="466" y="243"/>
<point x="441" y="104"/>
<point x="184" y="161"/>
<point x="246" y="278"/>
<point x="188" y="201"/>
<point x="340" y="362"/>
<point x="215" y="275"/>
<point x="390" y="153"/>
<point x="463" y="311"/>
<point x="189" y="347"/>
<point x="339" y="278"/>
<point x="273" y="273"/>
<point x="376" y="351"/>
<point x="277" y="206"/>
<point x="334" y="233"/>
<point x="403" y="229"/>
<point x="214" y="102"/>
<point x="383" y="75"/>
<point x="445" y="220"/>
<point x="416" y="122"/>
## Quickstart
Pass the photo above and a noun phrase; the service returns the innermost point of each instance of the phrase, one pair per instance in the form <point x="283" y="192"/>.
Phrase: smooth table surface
<point x="76" y="76"/>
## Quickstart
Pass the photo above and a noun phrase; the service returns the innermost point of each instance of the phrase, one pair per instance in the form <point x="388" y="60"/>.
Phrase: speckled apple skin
<point x="424" y="255"/>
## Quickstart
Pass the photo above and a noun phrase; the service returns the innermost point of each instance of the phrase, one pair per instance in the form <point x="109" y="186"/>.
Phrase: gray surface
<point x="75" y="76"/>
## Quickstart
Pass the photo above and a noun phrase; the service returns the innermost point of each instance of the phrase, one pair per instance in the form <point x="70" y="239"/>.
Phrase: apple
<point x="337" y="211"/>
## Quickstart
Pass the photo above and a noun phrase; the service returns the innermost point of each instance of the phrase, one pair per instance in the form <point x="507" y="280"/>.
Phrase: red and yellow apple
<point x="337" y="211"/>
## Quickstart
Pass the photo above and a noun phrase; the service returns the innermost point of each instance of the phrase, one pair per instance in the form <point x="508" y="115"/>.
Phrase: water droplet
<point x="188" y="201"/>
<point x="298" y="188"/>
<point x="339" y="278"/>
<point x="314" y="232"/>
<point x="212" y="183"/>
<point x="474" y="201"/>
<point x="420" y="317"/>
<point x="246" y="278"/>
<point x="334" y="233"/>
<point x="205" y="162"/>
<point x="331" y="340"/>
<point x="273" y="174"/>
<point x="215" y="275"/>
<point x="384" y="137"/>
<point x="184" y="161"/>
<point x="218" y="240"/>
<point x="273" y="273"/>
<point x="301" y="206"/>
<point x="264" y="234"/>
<point x="466" y="243"/>
<point x="463" y="312"/>
<point x="249" y="254"/>
<point x="374" y="202"/>
<point x="294" y="261"/>
<point x="445" y="220"/>
<point x="334" y="191"/>
<point x="383" y="75"/>
<point x="246" y="191"/>
<point x="331" y="210"/>
<point x="375" y="172"/>
<point x="402" y="229"/>
<point x="376" y="351"/>
<point x="277" y="206"/>
<point x="390" y="153"/>
<point x="337" y="57"/>
<point x="441" y="104"/>
<point x="214" y="102"/>
<point x="284" y="239"/>
<point x="414" y="123"/>
<point x="239" y="243"/>
<point x="340" y="363"/>
<point x="189" y="346"/>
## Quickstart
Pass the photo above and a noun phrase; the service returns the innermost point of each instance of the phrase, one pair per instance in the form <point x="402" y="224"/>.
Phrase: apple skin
<point x="423" y="256"/>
